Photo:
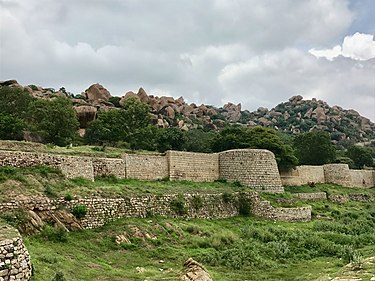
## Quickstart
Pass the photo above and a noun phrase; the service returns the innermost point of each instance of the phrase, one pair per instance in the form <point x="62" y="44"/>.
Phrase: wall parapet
<point x="15" y="261"/>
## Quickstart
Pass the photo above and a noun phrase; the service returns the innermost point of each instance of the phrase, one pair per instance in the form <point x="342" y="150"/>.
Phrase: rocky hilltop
<point x="294" y="116"/>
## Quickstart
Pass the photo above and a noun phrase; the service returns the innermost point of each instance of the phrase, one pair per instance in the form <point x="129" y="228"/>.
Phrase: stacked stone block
<point x="146" y="167"/>
<point x="362" y="178"/>
<point x="199" y="167"/>
<point x="15" y="261"/>
<point x="256" y="168"/>
<point x="109" y="167"/>
<point x="338" y="174"/>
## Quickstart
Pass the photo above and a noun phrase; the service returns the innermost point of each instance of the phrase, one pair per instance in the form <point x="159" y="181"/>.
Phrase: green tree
<point x="11" y="127"/>
<point x="55" y="120"/>
<point x="170" y="139"/>
<point x="361" y="156"/>
<point x="198" y="140"/>
<point x="258" y="137"/>
<point x="314" y="148"/>
<point x="15" y="101"/>
<point x="131" y="124"/>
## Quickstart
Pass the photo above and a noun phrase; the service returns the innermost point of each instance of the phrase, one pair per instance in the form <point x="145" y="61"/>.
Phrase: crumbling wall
<point x="109" y="167"/>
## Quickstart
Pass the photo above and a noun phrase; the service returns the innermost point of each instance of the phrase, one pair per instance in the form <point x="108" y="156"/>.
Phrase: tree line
<point x="54" y="121"/>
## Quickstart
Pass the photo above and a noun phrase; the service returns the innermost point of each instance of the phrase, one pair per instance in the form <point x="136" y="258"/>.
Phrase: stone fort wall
<point x="251" y="167"/>
<point x="15" y="261"/>
<point x="206" y="206"/>
<point x="329" y="173"/>
<point x="193" y="166"/>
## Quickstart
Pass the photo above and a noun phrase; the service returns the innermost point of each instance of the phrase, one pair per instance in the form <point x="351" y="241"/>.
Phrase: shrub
<point x="59" y="276"/>
<point x="244" y="206"/>
<point x="196" y="202"/>
<point x="178" y="205"/>
<point x="227" y="197"/>
<point x="53" y="234"/>
<point x="68" y="197"/>
<point x="79" y="211"/>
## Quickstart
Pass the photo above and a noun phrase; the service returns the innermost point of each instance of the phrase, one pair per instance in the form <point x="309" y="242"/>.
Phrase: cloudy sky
<point x="253" y="52"/>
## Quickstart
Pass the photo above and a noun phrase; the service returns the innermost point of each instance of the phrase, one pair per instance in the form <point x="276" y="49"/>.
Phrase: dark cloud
<point x="214" y="51"/>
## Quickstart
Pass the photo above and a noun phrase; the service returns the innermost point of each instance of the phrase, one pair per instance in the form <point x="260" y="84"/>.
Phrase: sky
<point x="254" y="52"/>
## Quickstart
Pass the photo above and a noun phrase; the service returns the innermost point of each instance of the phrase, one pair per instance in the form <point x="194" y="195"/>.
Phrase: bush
<point x="178" y="205"/>
<point x="79" y="211"/>
<point x="53" y="234"/>
<point x="244" y="206"/>
<point x="68" y="197"/>
<point x="196" y="202"/>
<point x="59" y="276"/>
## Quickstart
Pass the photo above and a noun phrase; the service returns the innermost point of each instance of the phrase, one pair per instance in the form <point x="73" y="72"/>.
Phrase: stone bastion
<point x="15" y="261"/>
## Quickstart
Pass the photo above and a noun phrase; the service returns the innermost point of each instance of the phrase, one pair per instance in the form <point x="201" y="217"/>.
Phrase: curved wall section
<point x="15" y="261"/>
<point x="256" y="168"/>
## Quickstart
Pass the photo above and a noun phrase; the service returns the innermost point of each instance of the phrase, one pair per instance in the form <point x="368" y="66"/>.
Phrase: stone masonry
<point x="15" y="261"/>
<point x="256" y="168"/>
<point x="206" y="206"/>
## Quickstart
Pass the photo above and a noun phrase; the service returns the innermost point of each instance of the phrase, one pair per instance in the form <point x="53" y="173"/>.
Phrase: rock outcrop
<point x="97" y="92"/>
<point x="195" y="272"/>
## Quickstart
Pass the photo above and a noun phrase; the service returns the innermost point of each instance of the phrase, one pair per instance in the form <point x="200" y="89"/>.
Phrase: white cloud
<point x="358" y="46"/>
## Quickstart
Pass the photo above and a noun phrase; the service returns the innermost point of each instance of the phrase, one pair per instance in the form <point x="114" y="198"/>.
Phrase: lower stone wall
<point x="15" y="261"/>
<point x="313" y="196"/>
<point x="362" y="178"/>
<point x="146" y="167"/>
<point x="199" y="167"/>
<point x="301" y="175"/>
<point x="207" y="206"/>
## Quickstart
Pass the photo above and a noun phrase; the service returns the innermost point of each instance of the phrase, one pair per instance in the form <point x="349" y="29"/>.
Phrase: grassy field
<point x="241" y="248"/>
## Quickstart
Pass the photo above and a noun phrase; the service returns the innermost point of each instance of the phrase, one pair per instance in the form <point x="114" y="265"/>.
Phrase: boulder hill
<point x="294" y="116"/>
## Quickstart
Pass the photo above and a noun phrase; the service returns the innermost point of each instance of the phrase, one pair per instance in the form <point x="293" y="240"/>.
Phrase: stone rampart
<point x="362" y="178"/>
<point x="338" y="174"/>
<point x="15" y="261"/>
<point x="256" y="168"/>
<point x="71" y="166"/>
<point x="190" y="205"/>
<point x="301" y="175"/>
<point x="146" y="167"/>
<point x="192" y="166"/>
<point x="109" y="167"/>
<point x="311" y="196"/>
<point x="329" y="173"/>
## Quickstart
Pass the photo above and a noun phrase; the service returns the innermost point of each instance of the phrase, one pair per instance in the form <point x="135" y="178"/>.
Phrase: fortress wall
<point x="109" y="167"/>
<point x="291" y="177"/>
<point x="206" y="206"/>
<point x="256" y="168"/>
<point x="301" y="175"/>
<point x="338" y="174"/>
<point x="192" y="166"/>
<point x="362" y="178"/>
<point x="312" y="196"/>
<point x="15" y="261"/>
<point x="311" y="174"/>
<point x="71" y="166"/>
<point x="146" y="167"/>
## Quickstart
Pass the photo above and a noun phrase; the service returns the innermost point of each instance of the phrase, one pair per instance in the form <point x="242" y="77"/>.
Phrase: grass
<point x="45" y="181"/>
<point x="241" y="248"/>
